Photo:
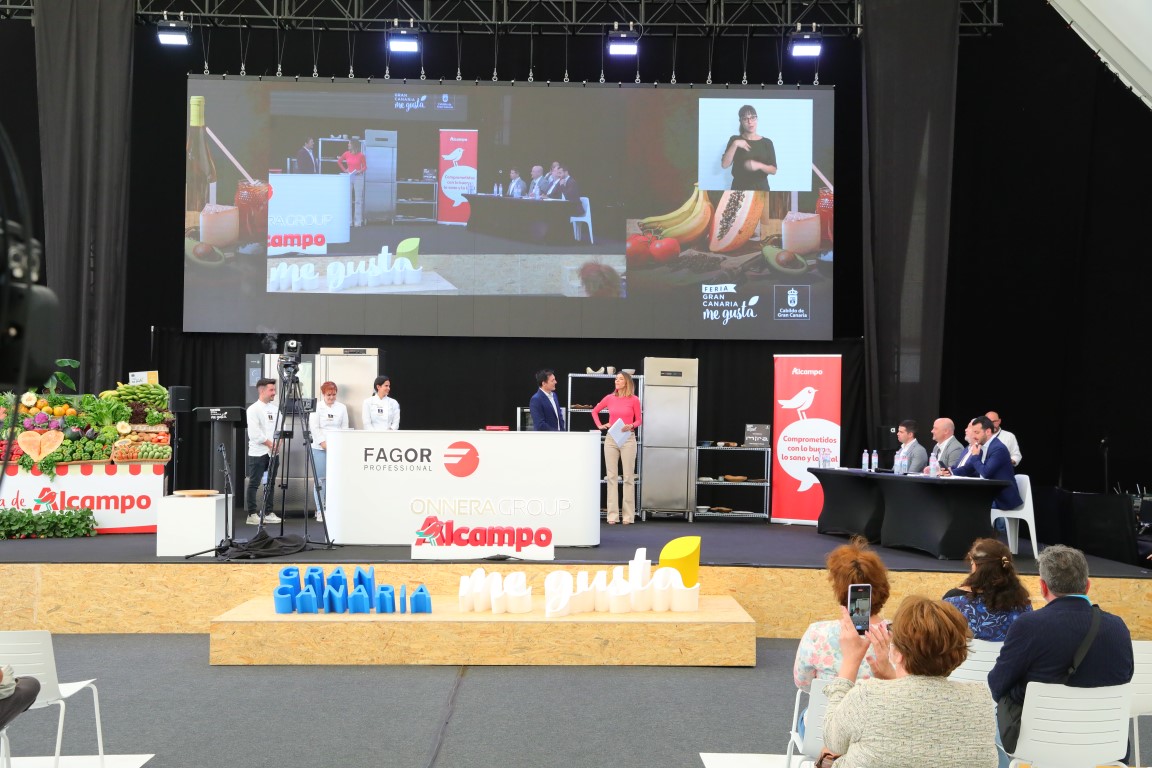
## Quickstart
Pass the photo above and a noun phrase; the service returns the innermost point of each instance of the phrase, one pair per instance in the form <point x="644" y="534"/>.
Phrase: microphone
<point x="1104" y="442"/>
<point x="220" y="448"/>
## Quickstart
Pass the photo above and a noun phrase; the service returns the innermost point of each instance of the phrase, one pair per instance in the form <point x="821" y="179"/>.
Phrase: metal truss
<point x="693" y="18"/>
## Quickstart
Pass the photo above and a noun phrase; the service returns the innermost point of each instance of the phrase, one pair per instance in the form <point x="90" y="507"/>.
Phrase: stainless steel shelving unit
<point x="765" y="486"/>
<point x="410" y="208"/>
<point x="638" y="381"/>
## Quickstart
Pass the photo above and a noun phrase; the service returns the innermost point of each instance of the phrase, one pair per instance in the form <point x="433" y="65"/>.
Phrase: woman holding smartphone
<point x="819" y="652"/>
<point x="911" y="714"/>
<point x="622" y="405"/>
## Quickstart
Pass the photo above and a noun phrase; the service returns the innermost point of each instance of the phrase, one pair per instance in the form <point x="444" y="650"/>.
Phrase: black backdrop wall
<point x="1046" y="275"/>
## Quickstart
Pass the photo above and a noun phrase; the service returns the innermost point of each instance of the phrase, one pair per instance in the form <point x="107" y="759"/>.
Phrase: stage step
<point x="720" y="634"/>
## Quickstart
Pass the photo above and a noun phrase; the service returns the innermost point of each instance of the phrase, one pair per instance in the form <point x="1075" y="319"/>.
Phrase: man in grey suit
<point x="910" y="448"/>
<point x="947" y="449"/>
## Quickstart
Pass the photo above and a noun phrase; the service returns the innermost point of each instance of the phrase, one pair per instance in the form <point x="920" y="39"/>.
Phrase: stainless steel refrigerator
<point x="380" y="178"/>
<point x="669" y="448"/>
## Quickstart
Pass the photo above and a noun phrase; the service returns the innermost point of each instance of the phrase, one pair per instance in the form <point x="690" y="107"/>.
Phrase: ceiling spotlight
<point x="403" y="40"/>
<point x="621" y="43"/>
<point x="805" y="44"/>
<point x="174" y="32"/>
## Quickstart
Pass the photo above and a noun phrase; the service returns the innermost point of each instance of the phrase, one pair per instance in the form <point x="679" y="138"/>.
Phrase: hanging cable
<point x="531" y="50"/>
<point x="675" y="40"/>
<point x="243" y="48"/>
<point x="780" y="60"/>
<point x="280" y="51"/>
<point x="351" y="54"/>
<point x="747" y="45"/>
<point x="711" y="49"/>
<point x="566" y="58"/>
<point x="205" y="45"/>
<point x="315" y="55"/>
<point x="602" y="47"/>
<point x="459" y="54"/>
<point x="637" y="52"/>
<point x="495" y="52"/>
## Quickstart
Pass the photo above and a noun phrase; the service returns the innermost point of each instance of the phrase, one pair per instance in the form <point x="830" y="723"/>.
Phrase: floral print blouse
<point x="819" y="655"/>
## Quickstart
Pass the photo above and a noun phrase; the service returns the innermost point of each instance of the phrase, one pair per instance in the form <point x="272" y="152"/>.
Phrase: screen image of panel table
<point x="941" y="516"/>
<point x="520" y="218"/>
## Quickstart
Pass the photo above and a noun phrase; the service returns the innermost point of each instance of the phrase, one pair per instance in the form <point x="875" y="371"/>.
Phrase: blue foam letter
<point x="282" y="599"/>
<point x="366" y="579"/>
<point x="335" y="599"/>
<point x="421" y="600"/>
<point x="338" y="578"/>
<point x="358" y="601"/>
<point x="306" y="601"/>
<point x="314" y="577"/>
<point x="403" y="598"/>
<point x="290" y="576"/>
<point x="385" y="599"/>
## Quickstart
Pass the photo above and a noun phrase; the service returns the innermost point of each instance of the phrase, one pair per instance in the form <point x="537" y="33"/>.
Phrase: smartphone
<point x="860" y="606"/>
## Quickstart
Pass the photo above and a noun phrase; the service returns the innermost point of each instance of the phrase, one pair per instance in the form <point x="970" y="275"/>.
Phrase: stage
<point x="116" y="583"/>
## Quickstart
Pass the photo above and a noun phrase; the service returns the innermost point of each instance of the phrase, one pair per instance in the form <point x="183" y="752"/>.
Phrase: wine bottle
<point x="200" y="176"/>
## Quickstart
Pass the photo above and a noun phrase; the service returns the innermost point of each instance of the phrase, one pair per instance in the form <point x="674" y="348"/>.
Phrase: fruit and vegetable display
<point x="50" y="429"/>
<point x="730" y="236"/>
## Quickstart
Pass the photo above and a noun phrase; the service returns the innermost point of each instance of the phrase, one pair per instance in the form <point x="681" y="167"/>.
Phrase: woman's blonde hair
<point x="629" y="387"/>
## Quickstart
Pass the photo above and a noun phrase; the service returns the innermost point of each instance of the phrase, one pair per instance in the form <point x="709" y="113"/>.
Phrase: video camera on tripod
<point x="288" y="364"/>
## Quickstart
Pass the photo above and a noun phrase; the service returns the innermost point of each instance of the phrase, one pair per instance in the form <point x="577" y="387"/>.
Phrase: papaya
<point x="737" y="216"/>
<point x="38" y="446"/>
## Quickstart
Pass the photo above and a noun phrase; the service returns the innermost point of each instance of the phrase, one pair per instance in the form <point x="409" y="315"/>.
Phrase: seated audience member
<point x="16" y="694"/>
<point x="1006" y="437"/>
<point x="992" y="597"/>
<point x="947" y="449"/>
<point x="988" y="458"/>
<point x="565" y="187"/>
<point x="1041" y="645"/>
<point x="911" y="715"/>
<point x="910" y="448"/>
<point x="819" y="652"/>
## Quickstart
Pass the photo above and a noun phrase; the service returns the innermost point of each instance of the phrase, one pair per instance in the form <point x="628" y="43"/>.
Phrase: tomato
<point x="665" y="249"/>
<point x="637" y="250"/>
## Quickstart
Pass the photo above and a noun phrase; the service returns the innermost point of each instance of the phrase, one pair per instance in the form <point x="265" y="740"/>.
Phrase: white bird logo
<point x="801" y="401"/>
<point x="454" y="155"/>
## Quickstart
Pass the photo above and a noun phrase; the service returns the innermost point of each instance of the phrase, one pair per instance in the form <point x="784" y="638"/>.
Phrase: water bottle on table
<point x="875" y="460"/>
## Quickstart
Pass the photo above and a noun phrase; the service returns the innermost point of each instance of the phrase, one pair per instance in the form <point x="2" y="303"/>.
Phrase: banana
<point x="696" y="222"/>
<point x="675" y="217"/>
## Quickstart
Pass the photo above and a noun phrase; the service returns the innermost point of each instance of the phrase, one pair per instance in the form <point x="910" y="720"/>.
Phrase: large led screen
<point x="423" y="208"/>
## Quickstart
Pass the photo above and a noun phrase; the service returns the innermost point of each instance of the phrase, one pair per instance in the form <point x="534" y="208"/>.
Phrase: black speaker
<point x="179" y="399"/>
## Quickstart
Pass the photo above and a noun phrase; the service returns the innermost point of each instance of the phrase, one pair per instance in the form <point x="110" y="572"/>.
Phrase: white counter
<point x="383" y="487"/>
<point x="312" y="205"/>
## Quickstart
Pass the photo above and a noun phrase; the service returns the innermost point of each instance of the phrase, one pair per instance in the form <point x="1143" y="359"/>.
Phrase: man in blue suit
<point x="1041" y="645"/>
<point x="990" y="460"/>
<point x="545" y="406"/>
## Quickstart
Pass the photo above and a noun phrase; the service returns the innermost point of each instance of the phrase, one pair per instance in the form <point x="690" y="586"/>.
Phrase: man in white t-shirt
<point x="261" y="445"/>
<point x="1005" y="437"/>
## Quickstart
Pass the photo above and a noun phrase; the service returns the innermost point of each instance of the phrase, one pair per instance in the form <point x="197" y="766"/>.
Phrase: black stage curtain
<point x="84" y="78"/>
<point x="910" y="60"/>
<point x="468" y="383"/>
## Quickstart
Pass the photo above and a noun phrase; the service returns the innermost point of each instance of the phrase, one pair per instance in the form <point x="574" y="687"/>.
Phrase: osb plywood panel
<point x="719" y="634"/>
<point x="135" y="598"/>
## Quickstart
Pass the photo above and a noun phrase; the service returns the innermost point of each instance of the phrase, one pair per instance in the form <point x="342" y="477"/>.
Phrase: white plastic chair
<point x="586" y="217"/>
<point x="1141" y="690"/>
<point x="982" y="655"/>
<point x="29" y="652"/>
<point x="813" y="740"/>
<point x="1064" y="727"/>
<point x="1012" y="517"/>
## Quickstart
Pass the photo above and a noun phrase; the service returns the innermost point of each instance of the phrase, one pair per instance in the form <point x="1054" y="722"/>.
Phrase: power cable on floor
<point x="449" y="708"/>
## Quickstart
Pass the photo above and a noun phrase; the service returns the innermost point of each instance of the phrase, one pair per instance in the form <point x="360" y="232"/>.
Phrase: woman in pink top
<point x="354" y="163"/>
<point x="625" y="406"/>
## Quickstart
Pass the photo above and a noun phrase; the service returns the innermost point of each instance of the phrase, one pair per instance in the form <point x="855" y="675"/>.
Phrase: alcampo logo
<point x="59" y="501"/>
<point x="461" y="459"/>
<point x="438" y="533"/>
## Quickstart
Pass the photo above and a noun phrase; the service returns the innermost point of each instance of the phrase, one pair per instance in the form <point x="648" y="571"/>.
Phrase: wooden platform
<point x="720" y="634"/>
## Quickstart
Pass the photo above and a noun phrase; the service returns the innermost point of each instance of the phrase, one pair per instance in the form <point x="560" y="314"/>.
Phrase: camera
<point x="289" y="361"/>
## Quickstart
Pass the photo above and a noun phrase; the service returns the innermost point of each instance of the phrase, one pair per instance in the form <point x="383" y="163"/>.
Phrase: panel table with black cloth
<point x="939" y="515"/>
<point x="520" y="218"/>
<point x="852" y="503"/>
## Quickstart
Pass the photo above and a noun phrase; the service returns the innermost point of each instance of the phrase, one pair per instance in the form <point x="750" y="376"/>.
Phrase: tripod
<point x="292" y="406"/>
<point x="226" y="543"/>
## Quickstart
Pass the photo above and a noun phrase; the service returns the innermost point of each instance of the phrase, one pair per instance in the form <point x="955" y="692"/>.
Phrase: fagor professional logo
<point x="445" y="533"/>
<point x="461" y="459"/>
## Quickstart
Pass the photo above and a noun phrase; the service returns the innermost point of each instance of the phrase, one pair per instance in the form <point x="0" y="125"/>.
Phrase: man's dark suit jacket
<point x="305" y="163"/>
<point x="543" y="417"/>
<point x="1041" y="645"/>
<point x="996" y="464"/>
